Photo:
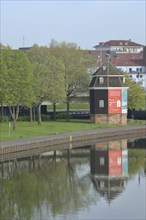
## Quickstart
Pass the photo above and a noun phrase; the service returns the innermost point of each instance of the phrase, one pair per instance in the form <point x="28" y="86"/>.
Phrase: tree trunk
<point x="2" y="113"/>
<point x="31" y="119"/>
<point x="39" y="114"/>
<point x="67" y="109"/>
<point x="34" y="111"/>
<point x="14" y="124"/>
<point x="54" y="111"/>
<point x="14" y="111"/>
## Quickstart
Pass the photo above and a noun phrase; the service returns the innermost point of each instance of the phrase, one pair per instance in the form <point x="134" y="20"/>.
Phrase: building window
<point x="102" y="161"/>
<point x="101" y="80"/>
<point x="101" y="103"/>
<point x="131" y="76"/>
<point x="137" y="69"/>
<point x="141" y="76"/>
<point x="102" y="184"/>
<point x="124" y="80"/>
<point x="130" y="70"/>
<point x="140" y="69"/>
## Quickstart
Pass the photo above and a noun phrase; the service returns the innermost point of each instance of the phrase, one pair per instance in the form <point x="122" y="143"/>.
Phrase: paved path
<point x="125" y="129"/>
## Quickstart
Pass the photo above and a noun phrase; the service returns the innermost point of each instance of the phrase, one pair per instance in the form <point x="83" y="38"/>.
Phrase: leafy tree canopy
<point x="136" y="95"/>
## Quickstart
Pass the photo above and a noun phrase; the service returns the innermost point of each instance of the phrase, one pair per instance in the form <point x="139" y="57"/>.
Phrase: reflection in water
<point x="71" y="184"/>
<point x="109" y="168"/>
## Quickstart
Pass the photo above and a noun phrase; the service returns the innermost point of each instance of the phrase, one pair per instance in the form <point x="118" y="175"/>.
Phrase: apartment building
<point x="126" y="55"/>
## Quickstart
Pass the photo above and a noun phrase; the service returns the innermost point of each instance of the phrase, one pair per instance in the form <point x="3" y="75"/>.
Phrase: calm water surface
<point x="103" y="181"/>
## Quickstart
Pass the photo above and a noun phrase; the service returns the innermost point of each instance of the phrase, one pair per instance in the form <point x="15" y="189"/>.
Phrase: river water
<point x="102" y="181"/>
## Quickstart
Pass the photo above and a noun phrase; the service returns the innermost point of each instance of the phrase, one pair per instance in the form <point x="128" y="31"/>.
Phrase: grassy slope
<point x="27" y="129"/>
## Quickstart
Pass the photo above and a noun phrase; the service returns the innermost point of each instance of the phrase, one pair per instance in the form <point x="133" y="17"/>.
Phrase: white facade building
<point x="120" y="46"/>
<point x="126" y="55"/>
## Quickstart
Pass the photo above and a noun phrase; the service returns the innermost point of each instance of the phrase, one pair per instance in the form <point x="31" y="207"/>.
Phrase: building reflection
<point x="109" y="168"/>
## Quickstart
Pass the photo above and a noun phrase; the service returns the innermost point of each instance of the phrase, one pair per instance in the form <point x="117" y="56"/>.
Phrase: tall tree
<point x="18" y="82"/>
<point x="75" y="62"/>
<point x="48" y="76"/>
<point x="57" y="88"/>
<point x="136" y="95"/>
<point x="3" y="75"/>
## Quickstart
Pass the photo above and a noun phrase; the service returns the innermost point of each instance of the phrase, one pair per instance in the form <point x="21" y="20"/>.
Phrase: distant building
<point x="120" y="46"/>
<point x="126" y="55"/>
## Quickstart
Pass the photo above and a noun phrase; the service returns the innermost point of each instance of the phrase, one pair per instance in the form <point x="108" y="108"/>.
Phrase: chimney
<point x="101" y="43"/>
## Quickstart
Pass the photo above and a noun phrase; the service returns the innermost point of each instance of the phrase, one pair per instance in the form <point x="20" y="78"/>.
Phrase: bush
<point x="24" y="118"/>
<point x="61" y="115"/>
<point x="46" y="117"/>
<point x="5" y="119"/>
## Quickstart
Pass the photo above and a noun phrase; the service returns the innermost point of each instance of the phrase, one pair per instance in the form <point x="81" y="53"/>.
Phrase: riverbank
<point x="9" y="150"/>
<point x="27" y="130"/>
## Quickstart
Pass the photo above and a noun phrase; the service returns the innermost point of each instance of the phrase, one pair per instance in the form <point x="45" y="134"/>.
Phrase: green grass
<point x="73" y="107"/>
<point x="28" y="130"/>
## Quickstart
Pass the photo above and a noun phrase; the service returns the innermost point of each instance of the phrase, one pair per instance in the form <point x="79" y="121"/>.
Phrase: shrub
<point x="61" y="115"/>
<point x="45" y="117"/>
<point x="24" y="118"/>
<point x="5" y="119"/>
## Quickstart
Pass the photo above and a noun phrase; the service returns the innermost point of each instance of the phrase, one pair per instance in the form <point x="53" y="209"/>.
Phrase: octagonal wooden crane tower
<point x="108" y="96"/>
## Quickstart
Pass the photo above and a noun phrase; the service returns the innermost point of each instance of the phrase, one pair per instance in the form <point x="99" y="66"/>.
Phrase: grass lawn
<point x="73" y="107"/>
<point x="28" y="130"/>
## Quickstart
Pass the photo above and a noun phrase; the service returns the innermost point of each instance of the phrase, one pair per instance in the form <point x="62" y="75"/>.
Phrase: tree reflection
<point x="136" y="161"/>
<point x="55" y="188"/>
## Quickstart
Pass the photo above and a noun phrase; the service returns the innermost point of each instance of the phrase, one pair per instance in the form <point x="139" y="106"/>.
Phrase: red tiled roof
<point x="122" y="62"/>
<point x="133" y="56"/>
<point x="118" y="43"/>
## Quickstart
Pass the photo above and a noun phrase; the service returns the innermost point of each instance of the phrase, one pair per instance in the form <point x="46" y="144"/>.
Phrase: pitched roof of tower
<point x="108" y="69"/>
<point x="112" y="77"/>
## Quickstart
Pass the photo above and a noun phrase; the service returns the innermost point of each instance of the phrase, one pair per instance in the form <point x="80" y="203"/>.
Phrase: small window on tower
<point x="102" y="161"/>
<point x="101" y="80"/>
<point x="101" y="103"/>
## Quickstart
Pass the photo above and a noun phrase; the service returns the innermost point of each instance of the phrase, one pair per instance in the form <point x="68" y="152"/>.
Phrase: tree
<point x="75" y="62"/>
<point x="48" y="76"/>
<point x="18" y="82"/>
<point x="57" y="89"/>
<point x="3" y="75"/>
<point x="136" y="95"/>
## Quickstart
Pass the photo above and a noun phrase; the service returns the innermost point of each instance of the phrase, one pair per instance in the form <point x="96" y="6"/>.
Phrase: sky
<point x="86" y="23"/>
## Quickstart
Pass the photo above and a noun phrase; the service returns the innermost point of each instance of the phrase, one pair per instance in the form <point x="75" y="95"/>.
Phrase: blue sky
<point x="85" y="23"/>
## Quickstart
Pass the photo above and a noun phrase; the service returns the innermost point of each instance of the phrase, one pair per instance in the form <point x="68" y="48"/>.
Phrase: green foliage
<point x="136" y="160"/>
<point x="136" y="95"/>
<point x="18" y="78"/>
<point x="76" y="75"/>
<point x="16" y="89"/>
<point x="48" y="76"/>
<point x="24" y="118"/>
<point x="46" y="117"/>
<point x="5" y="118"/>
<point x="61" y="115"/>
